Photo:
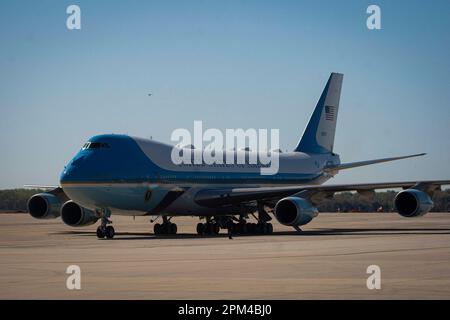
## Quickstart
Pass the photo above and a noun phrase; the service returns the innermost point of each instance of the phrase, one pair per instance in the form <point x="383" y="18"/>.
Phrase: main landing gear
<point x="166" y="227"/>
<point x="241" y="227"/>
<point x="104" y="230"/>
<point x="208" y="228"/>
<point x="252" y="228"/>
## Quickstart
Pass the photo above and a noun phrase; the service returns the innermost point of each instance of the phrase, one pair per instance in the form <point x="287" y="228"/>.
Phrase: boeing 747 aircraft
<point x="123" y="175"/>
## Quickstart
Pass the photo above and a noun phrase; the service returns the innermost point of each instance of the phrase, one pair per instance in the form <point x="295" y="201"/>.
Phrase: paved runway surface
<point x="329" y="260"/>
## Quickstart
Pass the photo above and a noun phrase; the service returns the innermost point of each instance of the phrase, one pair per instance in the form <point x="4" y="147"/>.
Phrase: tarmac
<point x="328" y="260"/>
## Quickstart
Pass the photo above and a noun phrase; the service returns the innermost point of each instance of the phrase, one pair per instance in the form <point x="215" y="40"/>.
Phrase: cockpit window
<point x="95" y="145"/>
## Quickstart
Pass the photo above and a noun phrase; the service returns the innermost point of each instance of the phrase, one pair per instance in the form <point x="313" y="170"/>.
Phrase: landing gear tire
<point x="100" y="233"/>
<point x="230" y="228"/>
<point x="216" y="228"/>
<point x="210" y="227"/>
<point x="200" y="229"/>
<point x="109" y="232"/>
<point x="157" y="229"/>
<point x="173" y="228"/>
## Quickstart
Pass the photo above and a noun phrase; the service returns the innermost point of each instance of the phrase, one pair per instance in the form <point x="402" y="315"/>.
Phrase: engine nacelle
<point x="44" y="206"/>
<point x="412" y="203"/>
<point x="75" y="215"/>
<point x="295" y="211"/>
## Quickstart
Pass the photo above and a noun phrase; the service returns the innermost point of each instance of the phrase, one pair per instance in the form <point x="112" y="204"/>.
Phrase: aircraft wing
<point x="233" y="196"/>
<point x="55" y="190"/>
<point x="40" y="186"/>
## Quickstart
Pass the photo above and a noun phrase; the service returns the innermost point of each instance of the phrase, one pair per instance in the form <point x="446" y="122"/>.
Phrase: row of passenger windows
<point x="95" y="145"/>
<point x="225" y="165"/>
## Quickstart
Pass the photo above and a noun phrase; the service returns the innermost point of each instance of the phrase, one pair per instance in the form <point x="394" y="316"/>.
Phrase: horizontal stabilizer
<point x="349" y="165"/>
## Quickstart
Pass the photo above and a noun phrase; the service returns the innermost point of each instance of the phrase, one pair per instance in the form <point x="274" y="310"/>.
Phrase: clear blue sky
<point x="232" y="64"/>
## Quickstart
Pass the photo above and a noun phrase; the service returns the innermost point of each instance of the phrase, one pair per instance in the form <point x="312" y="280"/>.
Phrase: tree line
<point x="382" y="202"/>
<point x="16" y="200"/>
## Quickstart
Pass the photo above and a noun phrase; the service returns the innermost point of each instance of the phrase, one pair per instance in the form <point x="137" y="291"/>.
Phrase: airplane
<point x="123" y="175"/>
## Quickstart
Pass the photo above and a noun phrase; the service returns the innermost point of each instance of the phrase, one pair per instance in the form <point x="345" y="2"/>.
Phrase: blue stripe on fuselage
<point x="125" y="162"/>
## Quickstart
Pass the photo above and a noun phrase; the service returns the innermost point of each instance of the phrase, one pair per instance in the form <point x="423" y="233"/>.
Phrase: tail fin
<point x="319" y="133"/>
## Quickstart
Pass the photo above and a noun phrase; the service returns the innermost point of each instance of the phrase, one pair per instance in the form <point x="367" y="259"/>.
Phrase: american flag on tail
<point x="329" y="113"/>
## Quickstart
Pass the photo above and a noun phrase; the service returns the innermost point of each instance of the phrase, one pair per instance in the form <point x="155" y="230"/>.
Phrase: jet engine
<point x="294" y="211"/>
<point x="75" y="215"/>
<point x="412" y="203"/>
<point x="44" y="206"/>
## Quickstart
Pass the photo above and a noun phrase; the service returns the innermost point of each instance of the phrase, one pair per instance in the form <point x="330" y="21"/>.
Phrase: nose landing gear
<point x="107" y="232"/>
<point x="104" y="230"/>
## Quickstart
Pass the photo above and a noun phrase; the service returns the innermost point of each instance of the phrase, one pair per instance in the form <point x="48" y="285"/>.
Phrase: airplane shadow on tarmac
<point x="305" y="233"/>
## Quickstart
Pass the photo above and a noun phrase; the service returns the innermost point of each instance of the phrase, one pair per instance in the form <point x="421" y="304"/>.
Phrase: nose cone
<point x="73" y="170"/>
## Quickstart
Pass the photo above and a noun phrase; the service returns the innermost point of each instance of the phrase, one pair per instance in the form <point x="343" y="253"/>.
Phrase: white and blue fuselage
<point x="135" y="176"/>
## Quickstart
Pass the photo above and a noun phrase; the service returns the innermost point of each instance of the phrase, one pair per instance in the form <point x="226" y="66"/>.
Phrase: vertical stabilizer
<point x="319" y="133"/>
